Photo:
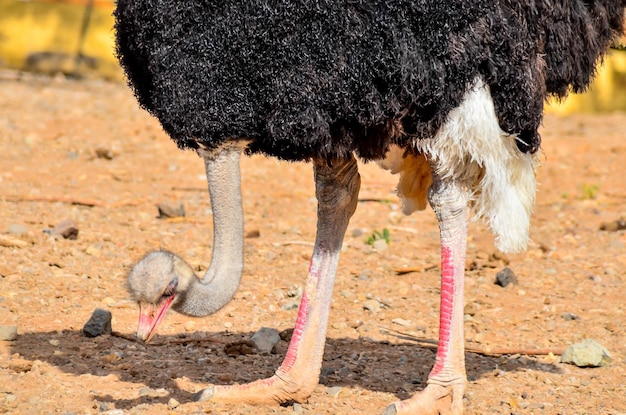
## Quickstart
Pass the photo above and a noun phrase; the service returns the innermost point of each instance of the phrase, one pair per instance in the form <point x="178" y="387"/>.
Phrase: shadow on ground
<point x="380" y="366"/>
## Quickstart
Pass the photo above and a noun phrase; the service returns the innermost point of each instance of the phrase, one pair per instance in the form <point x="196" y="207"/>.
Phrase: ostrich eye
<point x="171" y="288"/>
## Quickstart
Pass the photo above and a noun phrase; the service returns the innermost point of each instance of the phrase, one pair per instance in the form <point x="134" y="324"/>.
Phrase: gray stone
<point x="169" y="210"/>
<point x="265" y="339"/>
<point x="68" y="229"/>
<point x="8" y="333"/>
<point x="290" y="305"/>
<point x="98" y="324"/>
<point x="380" y="245"/>
<point x="587" y="353"/>
<point x="569" y="316"/>
<point x="334" y="391"/>
<point x="372" y="305"/>
<point x="17" y="229"/>
<point x="506" y="277"/>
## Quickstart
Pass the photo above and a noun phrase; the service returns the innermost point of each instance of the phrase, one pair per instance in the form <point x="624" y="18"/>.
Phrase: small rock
<point x="297" y="408"/>
<point x="506" y="277"/>
<point x="372" y="305"/>
<point x="569" y="316"/>
<point x="168" y="210"/>
<point x="240" y="348"/>
<point x="8" y="333"/>
<point x="94" y="250"/>
<point x="290" y="305"/>
<point x="401" y="322"/>
<point x="265" y="339"/>
<point x="470" y="309"/>
<point x="9" y="398"/>
<point x="98" y="324"/>
<point x="380" y="245"/>
<point x="153" y="393"/>
<point x="189" y="326"/>
<point x="225" y="377"/>
<point x="20" y="365"/>
<point x="172" y="403"/>
<point x="68" y="229"/>
<point x="104" y="153"/>
<point x="11" y="242"/>
<point x="255" y="233"/>
<point x="286" y="334"/>
<point x="357" y="232"/>
<point x="17" y="229"/>
<point x="54" y="342"/>
<point x="334" y="391"/>
<point x="614" y="226"/>
<point x="587" y="353"/>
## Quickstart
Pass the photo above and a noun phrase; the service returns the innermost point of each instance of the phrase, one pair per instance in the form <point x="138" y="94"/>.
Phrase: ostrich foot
<point x="434" y="400"/>
<point x="271" y="391"/>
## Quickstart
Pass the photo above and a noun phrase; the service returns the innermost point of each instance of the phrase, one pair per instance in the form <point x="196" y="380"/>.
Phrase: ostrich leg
<point x="446" y="382"/>
<point x="337" y="188"/>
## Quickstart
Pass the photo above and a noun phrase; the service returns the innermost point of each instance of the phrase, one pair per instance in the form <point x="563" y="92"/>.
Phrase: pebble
<point x="190" y="326"/>
<point x="240" y="348"/>
<point x="506" y="277"/>
<point x="569" y="316"/>
<point x="11" y="242"/>
<point x="172" y="403"/>
<point x="372" y="305"/>
<point x="98" y="324"/>
<point x="265" y="339"/>
<point x="104" y="153"/>
<point x="380" y="245"/>
<point x="169" y="210"/>
<point x="94" y="250"/>
<point x="153" y="393"/>
<point x="587" y="353"/>
<point x="17" y="229"/>
<point x="614" y="226"/>
<point x="20" y="365"/>
<point x="297" y="408"/>
<point x="68" y="229"/>
<point x="334" y="391"/>
<point x="401" y="322"/>
<point x="8" y="333"/>
<point x="290" y="305"/>
<point x="255" y="233"/>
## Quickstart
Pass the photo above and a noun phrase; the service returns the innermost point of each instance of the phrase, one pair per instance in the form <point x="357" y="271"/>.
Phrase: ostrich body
<point x="448" y="94"/>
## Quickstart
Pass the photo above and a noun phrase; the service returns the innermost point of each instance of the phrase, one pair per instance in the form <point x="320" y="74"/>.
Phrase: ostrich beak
<point x="150" y="315"/>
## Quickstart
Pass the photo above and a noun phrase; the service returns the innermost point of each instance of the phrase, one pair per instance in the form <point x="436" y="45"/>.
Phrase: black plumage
<point x="322" y="79"/>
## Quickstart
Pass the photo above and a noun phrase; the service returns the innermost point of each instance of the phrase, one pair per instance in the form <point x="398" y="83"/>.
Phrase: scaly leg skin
<point x="446" y="382"/>
<point x="337" y="188"/>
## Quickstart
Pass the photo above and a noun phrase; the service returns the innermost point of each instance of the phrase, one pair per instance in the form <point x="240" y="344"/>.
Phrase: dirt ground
<point x="83" y="150"/>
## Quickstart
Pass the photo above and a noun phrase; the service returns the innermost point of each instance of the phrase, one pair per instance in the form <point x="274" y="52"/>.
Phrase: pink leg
<point x="446" y="382"/>
<point x="337" y="188"/>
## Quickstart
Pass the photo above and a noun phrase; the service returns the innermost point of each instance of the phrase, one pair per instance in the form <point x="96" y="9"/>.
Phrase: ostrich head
<point x="157" y="282"/>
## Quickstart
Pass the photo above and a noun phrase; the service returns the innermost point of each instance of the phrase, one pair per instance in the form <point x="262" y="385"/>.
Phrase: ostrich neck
<point x="218" y="286"/>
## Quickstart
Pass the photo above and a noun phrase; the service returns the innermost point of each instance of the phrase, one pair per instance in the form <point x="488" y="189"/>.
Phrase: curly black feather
<point x="323" y="78"/>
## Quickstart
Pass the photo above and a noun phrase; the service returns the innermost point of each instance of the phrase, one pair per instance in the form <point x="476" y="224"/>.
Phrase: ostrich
<point x="447" y="94"/>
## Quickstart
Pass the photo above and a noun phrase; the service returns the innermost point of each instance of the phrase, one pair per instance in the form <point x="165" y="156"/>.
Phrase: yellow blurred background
<point x="75" y="37"/>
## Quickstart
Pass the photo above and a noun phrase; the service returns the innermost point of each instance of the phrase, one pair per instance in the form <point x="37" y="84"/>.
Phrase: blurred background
<point x="75" y="38"/>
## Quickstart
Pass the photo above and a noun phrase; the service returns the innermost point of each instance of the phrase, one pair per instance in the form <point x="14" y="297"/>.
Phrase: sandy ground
<point x="85" y="151"/>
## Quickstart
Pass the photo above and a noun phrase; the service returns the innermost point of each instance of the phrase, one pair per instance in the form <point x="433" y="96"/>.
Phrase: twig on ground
<point x="170" y="341"/>
<point x="406" y="270"/>
<point x="487" y="351"/>
<point x="70" y="201"/>
<point x="54" y="199"/>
